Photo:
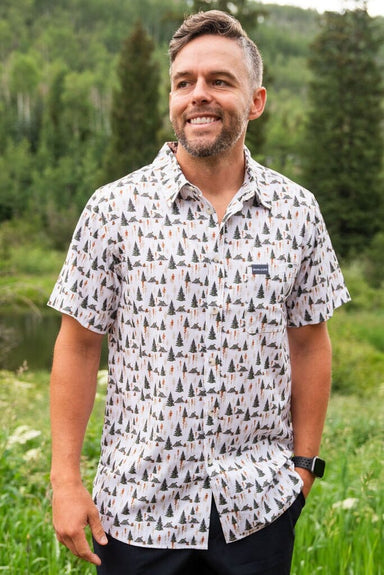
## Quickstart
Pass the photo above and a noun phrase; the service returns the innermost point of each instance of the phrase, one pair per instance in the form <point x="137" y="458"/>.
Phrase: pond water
<point x="30" y="338"/>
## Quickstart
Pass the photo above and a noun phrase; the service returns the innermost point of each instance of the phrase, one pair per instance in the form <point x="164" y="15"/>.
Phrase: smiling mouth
<point x="200" y="120"/>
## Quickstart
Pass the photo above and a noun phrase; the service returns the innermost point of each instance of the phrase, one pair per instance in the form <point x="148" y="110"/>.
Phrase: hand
<point x="73" y="509"/>
<point x="308" y="479"/>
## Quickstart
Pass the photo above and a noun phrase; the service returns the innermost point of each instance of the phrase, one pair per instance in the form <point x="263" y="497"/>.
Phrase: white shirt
<point x="199" y="373"/>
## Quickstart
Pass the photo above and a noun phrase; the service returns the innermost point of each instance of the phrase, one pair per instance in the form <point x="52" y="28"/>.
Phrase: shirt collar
<point x="256" y="180"/>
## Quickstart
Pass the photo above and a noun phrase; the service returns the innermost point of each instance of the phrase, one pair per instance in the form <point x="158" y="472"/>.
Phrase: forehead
<point x="210" y="52"/>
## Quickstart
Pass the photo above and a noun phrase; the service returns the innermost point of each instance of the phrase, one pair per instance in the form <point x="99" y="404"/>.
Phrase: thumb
<point x="97" y="528"/>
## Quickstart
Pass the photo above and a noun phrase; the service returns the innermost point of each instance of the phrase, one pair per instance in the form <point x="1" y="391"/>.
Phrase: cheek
<point x="175" y="107"/>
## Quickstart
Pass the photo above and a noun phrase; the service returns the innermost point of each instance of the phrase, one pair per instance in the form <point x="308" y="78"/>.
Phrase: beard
<point x="200" y="148"/>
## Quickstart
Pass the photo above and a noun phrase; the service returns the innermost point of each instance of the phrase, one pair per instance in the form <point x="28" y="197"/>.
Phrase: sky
<point x="375" y="7"/>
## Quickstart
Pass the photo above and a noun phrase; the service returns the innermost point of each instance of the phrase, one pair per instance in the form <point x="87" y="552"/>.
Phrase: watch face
<point x="319" y="467"/>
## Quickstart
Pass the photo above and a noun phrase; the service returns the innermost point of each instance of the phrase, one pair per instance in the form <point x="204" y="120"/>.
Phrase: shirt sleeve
<point x="319" y="286"/>
<point x="88" y="287"/>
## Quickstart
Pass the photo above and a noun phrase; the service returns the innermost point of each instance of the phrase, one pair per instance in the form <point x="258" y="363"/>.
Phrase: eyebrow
<point x="224" y="73"/>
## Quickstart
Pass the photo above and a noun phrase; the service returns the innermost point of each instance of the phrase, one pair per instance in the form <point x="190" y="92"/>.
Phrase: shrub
<point x="358" y="352"/>
<point x="364" y="296"/>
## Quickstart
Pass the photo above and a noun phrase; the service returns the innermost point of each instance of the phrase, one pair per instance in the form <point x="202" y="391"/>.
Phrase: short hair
<point x="218" y="23"/>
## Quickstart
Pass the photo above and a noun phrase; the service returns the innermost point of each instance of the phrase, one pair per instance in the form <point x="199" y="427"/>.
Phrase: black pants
<point x="266" y="552"/>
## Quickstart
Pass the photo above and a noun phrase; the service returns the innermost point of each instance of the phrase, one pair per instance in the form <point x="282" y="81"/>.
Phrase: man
<point x="213" y="278"/>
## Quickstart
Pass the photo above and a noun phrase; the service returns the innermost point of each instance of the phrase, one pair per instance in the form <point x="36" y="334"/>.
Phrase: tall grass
<point x="341" y="528"/>
<point x="358" y="351"/>
<point x="28" y="544"/>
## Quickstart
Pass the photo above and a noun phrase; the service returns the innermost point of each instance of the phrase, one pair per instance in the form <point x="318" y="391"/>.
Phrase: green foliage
<point x="135" y="118"/>
<point x="365" y="297"/>
<point x="358" y="352"/>
<point x="374" y="257"/>
<point x="29" y="545"/>
<point x="343" y="149"/>
<point x="341" y="528"/>
<point x="58" y="71"/>
<point x="245" y="11"/>
<point x="15" y="178"/>
<point x="357" y="336"/>
<point x="27" y="274"/>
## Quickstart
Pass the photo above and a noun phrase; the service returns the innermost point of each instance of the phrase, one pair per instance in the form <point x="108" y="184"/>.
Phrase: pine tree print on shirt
<point x="196" y="314"/>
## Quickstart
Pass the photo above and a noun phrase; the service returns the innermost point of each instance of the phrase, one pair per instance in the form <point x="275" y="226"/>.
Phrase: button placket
<point x="214" y="304"/>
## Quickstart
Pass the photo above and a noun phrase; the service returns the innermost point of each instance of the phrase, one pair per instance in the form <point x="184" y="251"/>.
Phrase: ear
<point x="259" y="99"/>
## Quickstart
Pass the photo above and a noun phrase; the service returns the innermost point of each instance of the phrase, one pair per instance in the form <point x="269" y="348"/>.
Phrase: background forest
<point x="83" y="100"/>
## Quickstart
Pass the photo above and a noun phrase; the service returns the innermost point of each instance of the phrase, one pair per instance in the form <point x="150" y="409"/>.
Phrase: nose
<point x="201" y="93"/>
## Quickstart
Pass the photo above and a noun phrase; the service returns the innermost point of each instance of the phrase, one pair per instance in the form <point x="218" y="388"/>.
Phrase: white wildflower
<point x="348" y="503"/>
<point x="32" y="454"/>
<point x="22" y="434"/>
<point x="22" y="385"/>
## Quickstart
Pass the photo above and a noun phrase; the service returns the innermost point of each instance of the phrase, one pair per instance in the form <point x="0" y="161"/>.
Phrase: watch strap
<point x="313" y="464"/>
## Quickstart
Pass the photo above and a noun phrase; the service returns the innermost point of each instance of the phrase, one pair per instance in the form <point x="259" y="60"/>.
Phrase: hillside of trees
<point x="67" y="67"/>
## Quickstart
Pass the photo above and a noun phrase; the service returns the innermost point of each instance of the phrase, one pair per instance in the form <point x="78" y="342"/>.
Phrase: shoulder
<point x="138" y="187"/>
<point x="280" y="190"/>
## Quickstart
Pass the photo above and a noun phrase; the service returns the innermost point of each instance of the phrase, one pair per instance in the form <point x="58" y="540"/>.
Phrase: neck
<point x="217" y="177"/>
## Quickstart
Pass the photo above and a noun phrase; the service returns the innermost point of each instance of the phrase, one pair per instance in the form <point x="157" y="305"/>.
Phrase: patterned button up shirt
<point x="198" y="400"/>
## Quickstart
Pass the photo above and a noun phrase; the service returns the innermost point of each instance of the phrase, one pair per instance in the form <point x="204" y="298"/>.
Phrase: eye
<point x="182" y="84"/>
<point x="219" y="82"/>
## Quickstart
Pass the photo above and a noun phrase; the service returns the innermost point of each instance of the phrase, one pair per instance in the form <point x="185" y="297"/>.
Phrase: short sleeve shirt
<point x="196" y="312"/>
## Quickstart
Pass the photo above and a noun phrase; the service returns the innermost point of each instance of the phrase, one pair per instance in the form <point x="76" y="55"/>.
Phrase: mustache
<point x="203" y="111"/>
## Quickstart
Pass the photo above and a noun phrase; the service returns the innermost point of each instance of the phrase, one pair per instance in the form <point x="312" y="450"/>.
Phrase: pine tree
<point x="344" y="140"/>
<point x="135" y="117"/>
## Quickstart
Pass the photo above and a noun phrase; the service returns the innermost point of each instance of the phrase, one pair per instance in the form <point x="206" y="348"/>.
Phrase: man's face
<point x="211" y="98"/>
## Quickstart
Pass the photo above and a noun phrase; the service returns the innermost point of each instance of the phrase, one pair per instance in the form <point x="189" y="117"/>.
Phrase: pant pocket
<point x="296" y="508"/>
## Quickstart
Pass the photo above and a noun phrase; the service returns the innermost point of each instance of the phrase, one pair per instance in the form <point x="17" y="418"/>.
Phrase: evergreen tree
<point x="344" y="142"/>
<point x="135" y="116"/>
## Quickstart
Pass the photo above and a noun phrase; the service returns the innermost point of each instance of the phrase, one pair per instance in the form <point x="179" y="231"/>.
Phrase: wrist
<point x="314" y="465"/>
<point x="307" y="478"/>
<point x="60" y="480"/>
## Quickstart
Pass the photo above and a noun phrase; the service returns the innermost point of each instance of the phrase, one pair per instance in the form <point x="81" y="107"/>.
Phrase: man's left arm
<point x="311" y="358"/>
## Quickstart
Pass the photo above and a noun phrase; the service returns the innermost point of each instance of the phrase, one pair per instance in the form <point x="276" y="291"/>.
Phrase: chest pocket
<point x="268" y="287"/>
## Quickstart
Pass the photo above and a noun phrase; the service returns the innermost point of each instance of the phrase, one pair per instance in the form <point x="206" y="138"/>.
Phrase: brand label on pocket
<point x="260" y="269"/>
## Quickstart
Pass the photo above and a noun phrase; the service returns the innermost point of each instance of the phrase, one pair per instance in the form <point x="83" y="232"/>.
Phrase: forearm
<point x="73" y="387"/>
<point x="311" y="382"/>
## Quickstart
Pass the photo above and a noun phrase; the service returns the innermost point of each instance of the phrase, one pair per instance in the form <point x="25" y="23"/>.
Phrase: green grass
<point x="27" y="277"/>
<point x="358" y="351"/>
<point x="340" y="531"/>
<point x="341" y="528"/>
<point x="28" y="544"/>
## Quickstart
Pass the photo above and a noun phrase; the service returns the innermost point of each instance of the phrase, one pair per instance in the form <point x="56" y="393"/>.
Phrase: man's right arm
<point x="73" y="387"/>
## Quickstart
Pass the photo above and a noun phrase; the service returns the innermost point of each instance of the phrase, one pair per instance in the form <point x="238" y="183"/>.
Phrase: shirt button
<point x="212" y="361"/>
<point x="216" y="259"/>
<point x="214" y="310"/>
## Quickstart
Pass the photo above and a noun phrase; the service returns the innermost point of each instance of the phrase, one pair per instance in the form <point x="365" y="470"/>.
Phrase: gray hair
<point x="219" y="23"/>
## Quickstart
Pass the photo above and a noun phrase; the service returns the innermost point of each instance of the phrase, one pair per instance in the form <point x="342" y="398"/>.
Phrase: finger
<point x="97" y="529"/>
<point x="79" y="546"/>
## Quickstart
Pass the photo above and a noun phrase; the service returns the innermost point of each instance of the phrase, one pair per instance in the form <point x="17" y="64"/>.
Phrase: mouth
<point x="202" y="120"/>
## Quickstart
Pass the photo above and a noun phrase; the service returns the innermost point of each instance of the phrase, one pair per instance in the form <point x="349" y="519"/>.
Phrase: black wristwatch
<point x="314" y="464"/>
